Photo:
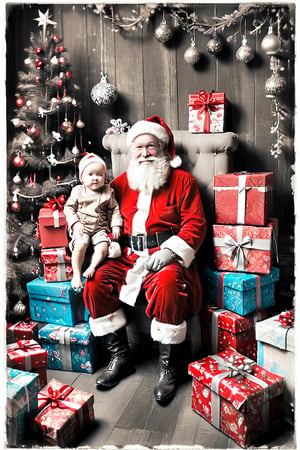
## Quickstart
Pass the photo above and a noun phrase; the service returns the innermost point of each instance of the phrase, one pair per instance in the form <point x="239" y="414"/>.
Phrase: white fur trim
<point x="181" y="248"/>
<point x="167" y="333"/>
<point x="176" y="162"/>
<point x="146" y="127"/>
<point x="108" y="324"/>
<point x="114" y="250"/>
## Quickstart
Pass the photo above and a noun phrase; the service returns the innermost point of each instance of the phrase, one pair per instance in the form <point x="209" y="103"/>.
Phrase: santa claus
<point x="164" y="226"/>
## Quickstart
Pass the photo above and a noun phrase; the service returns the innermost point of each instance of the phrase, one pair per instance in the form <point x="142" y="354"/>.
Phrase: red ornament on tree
<point x="16" y="207"/>
<point x="67" y="126"/>
<point x="60" y="83"/>
<point x="38" y="64"/>
<point x="20" y="102"/>
<point x="37" y="79"/>
<point x="55" y="38"/>
<point x="68" y="74"/>
<point x="39" y="51"/>
<point x="33" y="131"/>
<point x="18" y="161"/>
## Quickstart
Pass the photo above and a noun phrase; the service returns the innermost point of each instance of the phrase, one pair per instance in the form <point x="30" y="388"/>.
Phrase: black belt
<point x="144" y="241"/>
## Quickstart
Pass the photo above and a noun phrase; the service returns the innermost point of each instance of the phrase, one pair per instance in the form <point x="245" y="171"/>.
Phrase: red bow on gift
<point x="207" y="103"/>
<point x="55" y="203"/>
<point x="287" y="318"/>
<point x="56" y="396"/>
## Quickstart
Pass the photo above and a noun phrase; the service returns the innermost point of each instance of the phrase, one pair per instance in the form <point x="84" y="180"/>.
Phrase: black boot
<point x="120" y="364"/>
<point x="165" y="388"/>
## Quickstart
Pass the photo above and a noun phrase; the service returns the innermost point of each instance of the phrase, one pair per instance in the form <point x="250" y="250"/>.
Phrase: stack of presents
<point x="246" y="381"/>
<point x="56" y="336"/>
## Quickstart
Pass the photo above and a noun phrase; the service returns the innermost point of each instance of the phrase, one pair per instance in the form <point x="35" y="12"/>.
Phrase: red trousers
<point x="171" y="293"/>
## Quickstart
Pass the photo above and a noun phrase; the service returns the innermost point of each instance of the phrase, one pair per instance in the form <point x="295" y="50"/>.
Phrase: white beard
<point x="147" y="177"/>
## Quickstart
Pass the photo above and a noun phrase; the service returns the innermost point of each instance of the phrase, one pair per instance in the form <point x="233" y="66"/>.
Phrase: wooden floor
<point x="128" y="416"/>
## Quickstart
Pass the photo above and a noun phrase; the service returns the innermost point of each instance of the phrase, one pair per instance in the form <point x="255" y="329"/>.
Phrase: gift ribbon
<point x="56" y="398"/>
<point x="63" y="336"/>
<point x="117" y="126"/>
<point x="215" y="328"/>
<point x="57" y="272"/>
<point x="207" y="102"/>
<point x="24" y="345"/>
<point x="232" y="370"/>
<point x="235" y="248"/>
<point x="60" y="256"/>
<point x="24" y="325"/>
<point x="287" y="318"/>
<point x="55" y="203"/>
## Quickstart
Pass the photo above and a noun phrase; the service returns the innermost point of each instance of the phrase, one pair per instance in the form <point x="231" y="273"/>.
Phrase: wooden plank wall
<point x="153" y="78"/>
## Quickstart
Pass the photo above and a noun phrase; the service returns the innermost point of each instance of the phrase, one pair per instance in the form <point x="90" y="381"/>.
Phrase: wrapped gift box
<point x="237" y="396"/>
<point x="28" y="355"/>
<point x="276" y="352"/>
<point x="240" y="292"/>
<point x="57" y="264"/>
<point x="54" y="302"/>
<point x="70" y="348"/>
<point x="21" y="402"/>
<point x="63" y="413"/>
<point x="207" y="112"/>
<point x="221" y="328"/>
<point x="53" y="228"/>
<point x="27" y="329"/>
<point x="243" y="198"/>
<point x="243" y="248"/>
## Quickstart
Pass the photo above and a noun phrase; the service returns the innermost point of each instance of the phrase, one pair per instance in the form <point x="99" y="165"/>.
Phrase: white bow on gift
<point x="117" y="127"/>
<point x="232" y="246"/>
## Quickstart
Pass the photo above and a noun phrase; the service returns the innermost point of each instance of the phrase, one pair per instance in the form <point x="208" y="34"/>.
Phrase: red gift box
<point x="55" y="256"/>
<point x="21" y="330"/>
<point x="28" y="355"/>
<point x="237" y="396"/>
<point x="63" y="412"/>
<point x="221" y="328"/>
<point x="243" y="198"/>
<point x="53" y="228"/>
<point x="243" y="248"/>
<point x="207" y="112"/>
<point x="57" y="272"/>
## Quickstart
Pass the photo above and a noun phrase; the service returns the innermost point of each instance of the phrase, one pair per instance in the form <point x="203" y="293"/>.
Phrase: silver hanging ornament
<point x="163" y="32"/>
<point x="214" y="45"/>
<point x="275" y="85"/>
<point x="17" y="179"/>
<point x="192" y="54"/>
<point x="103" y="93"/>
<point x="245" y="53"/>
<point x="270" y="43"/>
<point x="19" y="309"/>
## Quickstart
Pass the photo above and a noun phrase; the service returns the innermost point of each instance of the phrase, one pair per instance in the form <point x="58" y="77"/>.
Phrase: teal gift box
<point x="55" y="302"/>
<point x="21" y="403"/>
<point x="70" y="348"/>
<point x="240" y="292"/>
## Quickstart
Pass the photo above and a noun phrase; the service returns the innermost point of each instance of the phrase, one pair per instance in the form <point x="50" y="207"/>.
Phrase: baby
<point x="91" y="212"/>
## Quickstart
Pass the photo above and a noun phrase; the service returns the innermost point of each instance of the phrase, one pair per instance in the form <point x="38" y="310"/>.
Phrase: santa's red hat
<point x="87" y="160"/>
<point x="156" y="126"/>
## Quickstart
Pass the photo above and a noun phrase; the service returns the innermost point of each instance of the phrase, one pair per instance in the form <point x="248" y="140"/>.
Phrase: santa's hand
<point x="160" y="259"/>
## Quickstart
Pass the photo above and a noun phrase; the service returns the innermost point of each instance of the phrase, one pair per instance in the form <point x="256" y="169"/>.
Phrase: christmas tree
<point x="43" y="155"/>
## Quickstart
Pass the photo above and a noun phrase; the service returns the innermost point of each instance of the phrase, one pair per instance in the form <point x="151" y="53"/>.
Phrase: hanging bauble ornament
<point x="67" y="126"/>
<point x="20" y="102"/>
<point x="19" y="309"/>
<point x="274" y="85"/>
<point x="18" y="161"/>
<point x="163" y="32"/>
<point x="39" y="51"/>
<point x="68" y="74"/>
<point x="61" y="60"/>
<point x="55" y="38"/>
<point x="270" y="43"/>
<point x="75" y="150"/>
<point x="37" y="79"/>
<point x="15" y="206"/>
<point x="103" y="93"/>
<point x="54" y="60"/>
<point x="17" y="179"/>
<point x="245" y="53"/>
<point x="33" y="131"/>
<point x="59" y="83"/>
<point x="38" y="64"/>
<point x="17" y="122"/>
<point x="80" y="124"/>
<point x="214" y="45"/>
<point x="27" y="61"/>
<point x="192" y="54"/>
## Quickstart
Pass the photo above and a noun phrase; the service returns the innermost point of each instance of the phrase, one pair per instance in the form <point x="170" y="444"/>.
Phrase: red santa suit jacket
<point x="175" y="207"/>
